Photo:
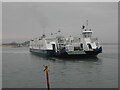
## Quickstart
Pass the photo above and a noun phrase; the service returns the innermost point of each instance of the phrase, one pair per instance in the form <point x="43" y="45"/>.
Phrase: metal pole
<point x="47" y="77"/>
<point x="86" y="24"/>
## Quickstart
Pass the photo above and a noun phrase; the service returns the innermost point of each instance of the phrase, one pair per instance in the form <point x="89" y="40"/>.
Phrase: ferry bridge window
<point x="85" y="35"/>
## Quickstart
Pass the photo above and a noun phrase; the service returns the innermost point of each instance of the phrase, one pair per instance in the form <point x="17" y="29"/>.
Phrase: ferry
<point x="60" y="46"/>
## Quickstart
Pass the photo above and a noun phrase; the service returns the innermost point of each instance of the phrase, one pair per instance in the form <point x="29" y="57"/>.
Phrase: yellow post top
<point x="46" y="68"/>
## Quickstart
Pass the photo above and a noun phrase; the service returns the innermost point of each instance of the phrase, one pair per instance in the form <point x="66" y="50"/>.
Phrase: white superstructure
<point x="60" y="46"/>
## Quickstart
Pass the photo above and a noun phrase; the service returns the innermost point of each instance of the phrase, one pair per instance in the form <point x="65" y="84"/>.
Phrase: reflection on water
<point x="94" y="60"/>
<point x="74" y="72"/>
<point x="27" y="68"/>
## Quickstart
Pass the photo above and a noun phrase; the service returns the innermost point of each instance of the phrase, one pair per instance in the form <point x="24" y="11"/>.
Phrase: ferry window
<point x="48" y="42"/>
<point x="85" y="35"/>
<point x="90" y="47"/>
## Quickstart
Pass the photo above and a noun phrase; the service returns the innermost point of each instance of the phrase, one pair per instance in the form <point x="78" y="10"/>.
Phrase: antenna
<point x="86" y="24"/>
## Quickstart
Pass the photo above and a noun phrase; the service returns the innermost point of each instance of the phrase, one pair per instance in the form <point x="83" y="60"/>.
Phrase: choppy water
<point x="22" y="69"/>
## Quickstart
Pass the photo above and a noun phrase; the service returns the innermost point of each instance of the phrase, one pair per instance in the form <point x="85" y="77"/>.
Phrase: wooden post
<point x="47" y="77"/>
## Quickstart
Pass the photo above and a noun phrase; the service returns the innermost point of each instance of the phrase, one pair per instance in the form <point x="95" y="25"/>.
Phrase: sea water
<point x="22" y="69"/>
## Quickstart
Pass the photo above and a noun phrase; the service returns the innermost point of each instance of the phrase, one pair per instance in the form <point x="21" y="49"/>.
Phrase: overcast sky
<point x="24" y="21"/>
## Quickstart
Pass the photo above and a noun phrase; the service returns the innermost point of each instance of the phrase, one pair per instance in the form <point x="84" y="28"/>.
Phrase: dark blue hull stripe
<point x="64" y="54"/>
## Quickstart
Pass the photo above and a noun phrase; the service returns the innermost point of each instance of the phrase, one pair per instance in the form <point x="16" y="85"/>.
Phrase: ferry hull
<point x="43" y="52"/>
<point x="66" y="54"/>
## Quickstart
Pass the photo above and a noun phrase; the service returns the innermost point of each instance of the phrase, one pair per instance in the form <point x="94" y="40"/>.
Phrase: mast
<point x="86" y="24"/>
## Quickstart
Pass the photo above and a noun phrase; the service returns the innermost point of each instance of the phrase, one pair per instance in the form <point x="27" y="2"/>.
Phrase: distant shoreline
<point x="109" y="43"/>
<point x="7" y="45"/>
